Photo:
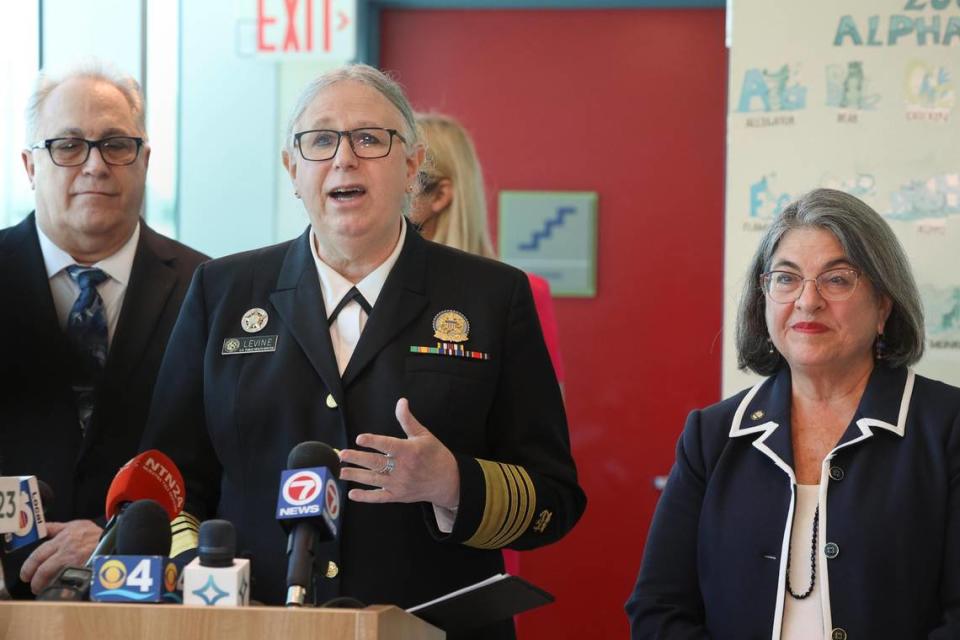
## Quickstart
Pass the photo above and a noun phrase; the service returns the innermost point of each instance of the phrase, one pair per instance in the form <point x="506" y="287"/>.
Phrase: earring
<point x="296" y="194"/>
<point x="409" y="188"/>
<point x="880" y="347"/>
<point x="770" y="348"/>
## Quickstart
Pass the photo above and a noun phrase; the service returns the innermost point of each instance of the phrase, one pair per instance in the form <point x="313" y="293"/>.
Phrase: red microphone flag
<point x="149" y="475"/>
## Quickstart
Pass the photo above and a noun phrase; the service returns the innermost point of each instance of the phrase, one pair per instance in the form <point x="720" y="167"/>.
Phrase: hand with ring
<point x="388" y="465"/>
<point x="418" y="468"/>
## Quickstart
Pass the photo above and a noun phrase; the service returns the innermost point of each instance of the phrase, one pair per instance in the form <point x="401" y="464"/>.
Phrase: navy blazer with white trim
<point x="715" y="559"/>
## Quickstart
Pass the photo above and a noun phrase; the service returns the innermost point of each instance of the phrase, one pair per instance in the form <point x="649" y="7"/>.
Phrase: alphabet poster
<point x="857" y="95"/>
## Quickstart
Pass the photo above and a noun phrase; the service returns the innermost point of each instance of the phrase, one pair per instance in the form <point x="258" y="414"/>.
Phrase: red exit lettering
<point x="293" y="31"/>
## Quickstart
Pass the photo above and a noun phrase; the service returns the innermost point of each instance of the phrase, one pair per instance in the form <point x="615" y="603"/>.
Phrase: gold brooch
<point x="451" y="326"/>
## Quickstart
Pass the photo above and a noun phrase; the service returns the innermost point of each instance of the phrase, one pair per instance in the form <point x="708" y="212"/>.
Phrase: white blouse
<point x="803" y="619"/>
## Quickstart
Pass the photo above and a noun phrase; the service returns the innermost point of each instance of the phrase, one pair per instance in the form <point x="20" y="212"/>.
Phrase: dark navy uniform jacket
<point x="715" y="561"/>
<point x="229" y="421"/>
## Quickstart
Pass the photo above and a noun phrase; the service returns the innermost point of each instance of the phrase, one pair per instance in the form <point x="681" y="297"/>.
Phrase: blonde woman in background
<point x="451" y="209"/>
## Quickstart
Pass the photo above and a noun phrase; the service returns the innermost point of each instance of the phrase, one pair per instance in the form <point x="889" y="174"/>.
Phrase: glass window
<point x="162" y="89"/>
<point x="19" y="53"/>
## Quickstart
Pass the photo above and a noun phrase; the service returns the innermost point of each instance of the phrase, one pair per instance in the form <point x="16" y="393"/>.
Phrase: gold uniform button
<point x="332" y="569"/>
<point x="331" y="401"/>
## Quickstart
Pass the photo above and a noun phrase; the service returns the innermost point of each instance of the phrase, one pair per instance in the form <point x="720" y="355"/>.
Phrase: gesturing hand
<point x="418" y="468"/>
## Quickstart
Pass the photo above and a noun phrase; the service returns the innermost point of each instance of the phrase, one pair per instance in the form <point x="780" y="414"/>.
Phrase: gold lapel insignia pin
<point x="451" y="326"/>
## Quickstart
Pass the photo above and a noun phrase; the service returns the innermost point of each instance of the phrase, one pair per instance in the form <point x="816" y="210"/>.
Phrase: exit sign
<point x="316" y="29"/>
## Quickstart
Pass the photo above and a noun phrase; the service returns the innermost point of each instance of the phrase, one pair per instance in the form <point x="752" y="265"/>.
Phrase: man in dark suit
<point x="92" y="294"/>
<point x="425" y="366"/>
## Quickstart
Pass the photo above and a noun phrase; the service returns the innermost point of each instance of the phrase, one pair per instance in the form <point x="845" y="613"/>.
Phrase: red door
<point x="631" y="104"/>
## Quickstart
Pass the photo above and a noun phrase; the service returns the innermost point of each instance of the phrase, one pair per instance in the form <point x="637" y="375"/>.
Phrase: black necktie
<point x="87" y="333"/>
<point x="353" y="294"/>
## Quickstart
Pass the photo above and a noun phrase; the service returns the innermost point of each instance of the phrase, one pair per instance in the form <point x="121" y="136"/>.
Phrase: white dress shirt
<point x="345" y="330"/>
<point x="112" y="290"/>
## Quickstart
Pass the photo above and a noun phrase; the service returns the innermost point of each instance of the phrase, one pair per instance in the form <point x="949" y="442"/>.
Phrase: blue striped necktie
<point x="87" y="335"/>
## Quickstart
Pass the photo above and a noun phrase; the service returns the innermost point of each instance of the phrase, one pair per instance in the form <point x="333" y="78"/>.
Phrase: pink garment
<point x="548" y="323"/>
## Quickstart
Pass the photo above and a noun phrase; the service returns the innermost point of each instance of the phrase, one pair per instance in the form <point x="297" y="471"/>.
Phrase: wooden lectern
<point x="99" y="621"/>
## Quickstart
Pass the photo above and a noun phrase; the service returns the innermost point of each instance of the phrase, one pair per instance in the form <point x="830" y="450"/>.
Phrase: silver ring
<point x="388" y="465"/>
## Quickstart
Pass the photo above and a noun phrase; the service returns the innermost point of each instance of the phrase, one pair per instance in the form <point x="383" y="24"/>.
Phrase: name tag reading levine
<point x="249" y="344"/>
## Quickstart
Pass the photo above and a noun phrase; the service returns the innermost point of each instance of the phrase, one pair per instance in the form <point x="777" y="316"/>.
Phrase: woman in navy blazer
<point x="824" y="502"/>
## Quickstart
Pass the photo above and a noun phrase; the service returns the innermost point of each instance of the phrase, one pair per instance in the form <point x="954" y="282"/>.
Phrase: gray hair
<point x="364" y="74"/>
<point x="371" y="77"/>
<point x="95" y="70"/>
<point x="869" y="244"/>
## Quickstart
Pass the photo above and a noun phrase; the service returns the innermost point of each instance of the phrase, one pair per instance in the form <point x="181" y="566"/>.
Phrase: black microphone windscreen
<point x="46" y="495"/>
<point x="218" y="543"/>
<point x="143" y="530"/>
<point x="314" y="454"/>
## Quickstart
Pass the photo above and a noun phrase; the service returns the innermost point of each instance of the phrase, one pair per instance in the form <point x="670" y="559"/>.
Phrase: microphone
<point x="9" y="492"/>
<point x="28" y="510"/>
<point x="308" y="508"/>
<point x="150" y="475"/>
<point x="215" y="578"/>
<point x="22" y="520"/>
<point x="144" y="529"/>
<point x="141" y="570"/>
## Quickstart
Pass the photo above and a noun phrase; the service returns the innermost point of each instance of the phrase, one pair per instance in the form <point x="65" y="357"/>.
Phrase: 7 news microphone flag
<point x="308" y="507"/>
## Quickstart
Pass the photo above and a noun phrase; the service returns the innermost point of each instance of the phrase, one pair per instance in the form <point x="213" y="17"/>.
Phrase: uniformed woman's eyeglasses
<point x="368" y="142"/>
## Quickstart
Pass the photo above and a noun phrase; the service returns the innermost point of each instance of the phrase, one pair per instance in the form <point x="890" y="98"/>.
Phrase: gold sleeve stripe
<point x="184" y="518"/>
<point x="509" y="505"/>
<point x="525" y="504"/>
<point x="185" y="530"/>
<point x="494" y="506"/>
<point x="522" y="488"/>
<point x="513" y="504"/>
<point x="511" y="498"/>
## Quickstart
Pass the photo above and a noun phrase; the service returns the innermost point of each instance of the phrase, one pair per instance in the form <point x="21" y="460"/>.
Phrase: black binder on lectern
<point x="497" y="598"/>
